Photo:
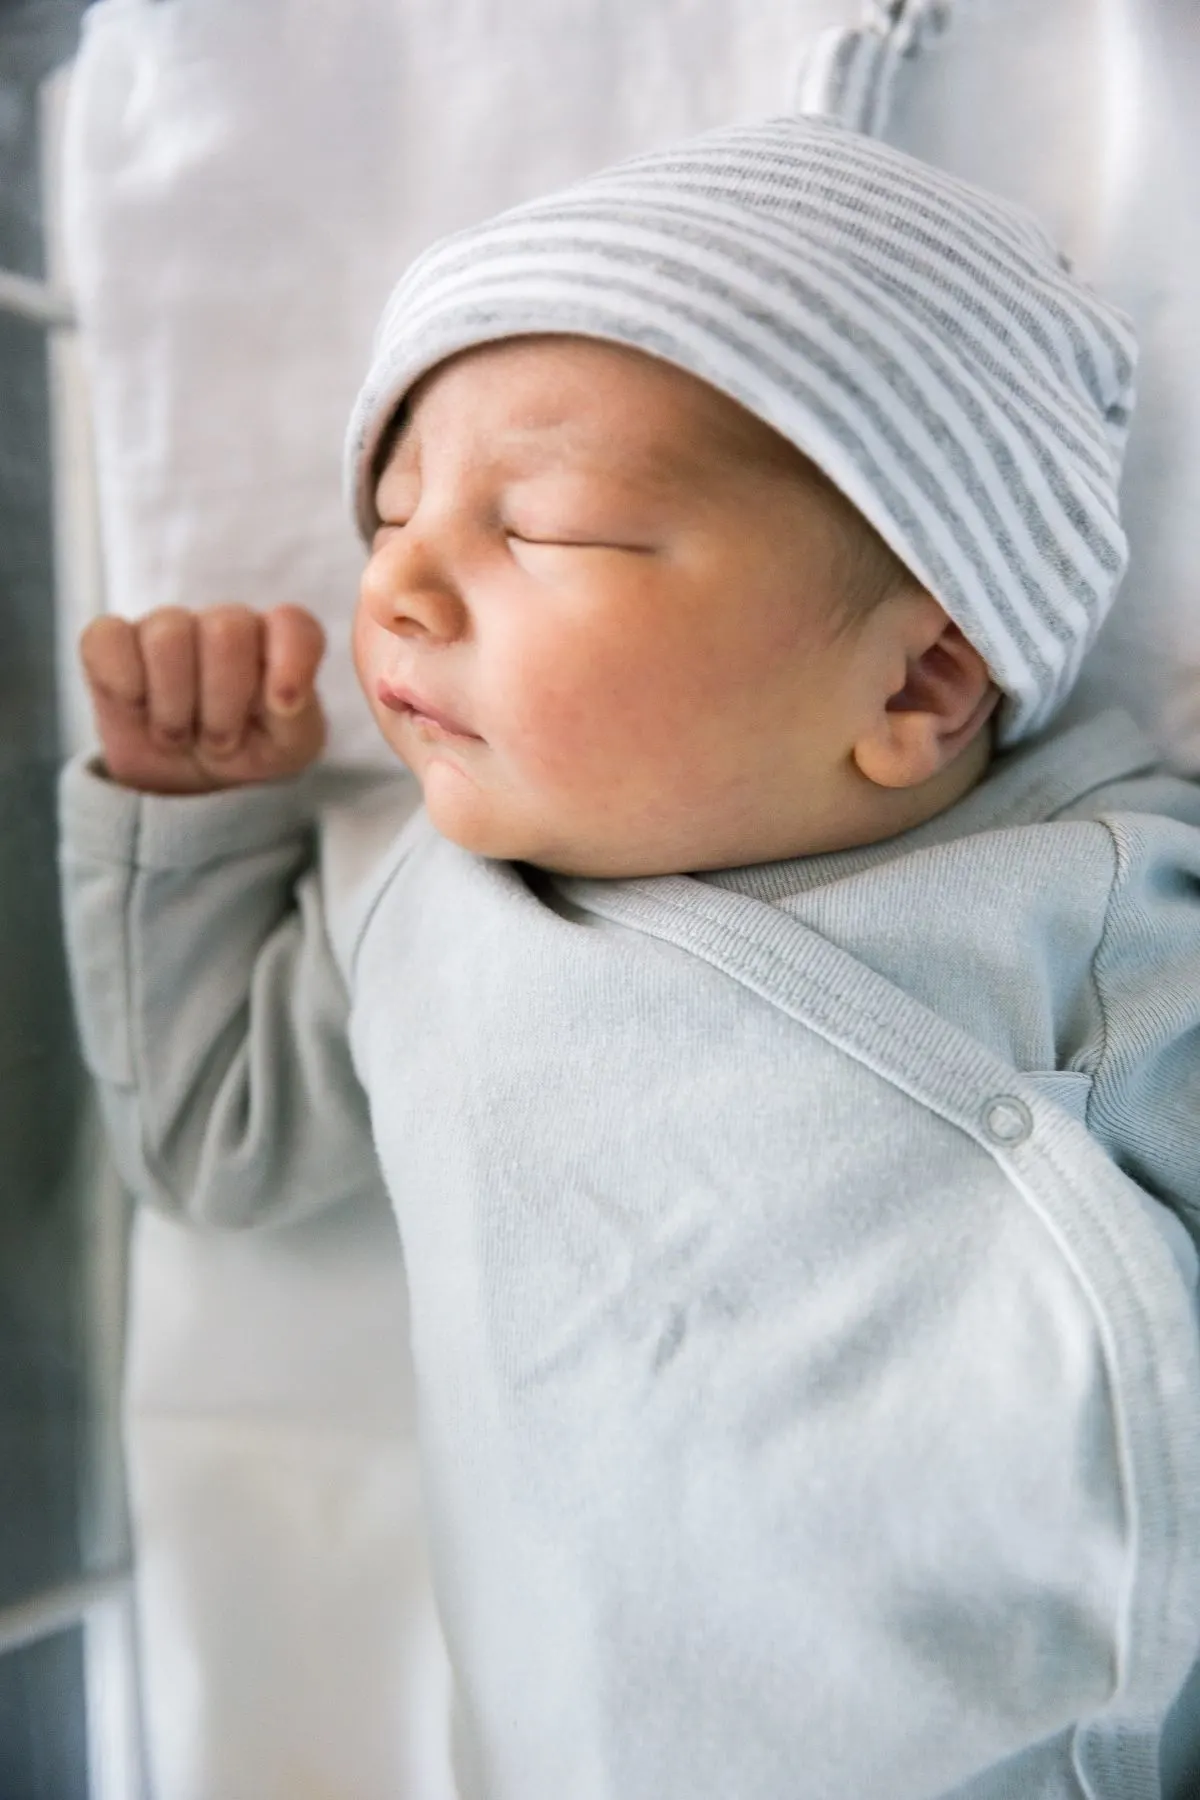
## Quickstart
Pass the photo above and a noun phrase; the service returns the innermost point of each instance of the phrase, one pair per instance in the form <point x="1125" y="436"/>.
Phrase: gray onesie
<point x="801" y="1261"/>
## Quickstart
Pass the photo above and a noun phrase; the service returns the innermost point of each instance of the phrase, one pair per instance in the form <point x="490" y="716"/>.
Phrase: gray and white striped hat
<point x="921" y="341"/>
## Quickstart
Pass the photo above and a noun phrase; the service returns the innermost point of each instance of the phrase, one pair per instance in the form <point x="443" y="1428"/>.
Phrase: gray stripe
<point x="998" y="260"/>
<point x="952" y="204"/>
<point x="870" y="168"/>
<point x="989" y="270"/>
<point x="775" y="144"/>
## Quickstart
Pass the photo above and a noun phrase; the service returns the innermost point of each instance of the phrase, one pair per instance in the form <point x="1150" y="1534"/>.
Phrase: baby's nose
<point x="408" y="587"/>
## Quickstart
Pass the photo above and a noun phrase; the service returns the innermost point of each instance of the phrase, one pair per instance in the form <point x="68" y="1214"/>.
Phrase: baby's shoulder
<point x="1153" y="801"/>
<point x="1153" y="820"/>
<point x="1150" y="943"/>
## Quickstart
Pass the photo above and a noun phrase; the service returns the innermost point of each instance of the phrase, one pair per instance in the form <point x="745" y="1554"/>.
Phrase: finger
<point x="112" y="661"/>
<point x="294" y="721"/>
<point x="294" y="646"/>
<point x="111" y="655"/>
<point x="229" y="642"/>
<point x="168" y="639"/>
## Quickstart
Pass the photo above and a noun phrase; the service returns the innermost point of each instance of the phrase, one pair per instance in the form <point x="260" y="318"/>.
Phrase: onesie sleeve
<point x="211" y="1010"/>
<point x="1145" y="1100"/>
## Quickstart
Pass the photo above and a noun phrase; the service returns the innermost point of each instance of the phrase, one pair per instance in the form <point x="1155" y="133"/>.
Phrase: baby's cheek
<point x="595" y="716"/>
<point x="567" y="748"/>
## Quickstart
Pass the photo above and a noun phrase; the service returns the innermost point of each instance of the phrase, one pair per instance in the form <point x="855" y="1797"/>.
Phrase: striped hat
<point x="921" y="341"/>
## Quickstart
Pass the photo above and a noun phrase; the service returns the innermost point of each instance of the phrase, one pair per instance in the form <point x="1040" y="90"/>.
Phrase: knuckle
<point x="228" y="627"/>
<point x="99" y="642"/>
<point x="167" y="618"/>
<point x="304" y="628"/>
<point x="165" y="627"/>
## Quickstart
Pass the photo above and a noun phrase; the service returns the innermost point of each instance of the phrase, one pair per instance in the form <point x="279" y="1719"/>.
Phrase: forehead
<point x="555" y="399"/>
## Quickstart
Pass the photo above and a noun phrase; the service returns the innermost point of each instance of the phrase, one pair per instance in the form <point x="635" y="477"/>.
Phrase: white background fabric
<point x="244" y="182"/>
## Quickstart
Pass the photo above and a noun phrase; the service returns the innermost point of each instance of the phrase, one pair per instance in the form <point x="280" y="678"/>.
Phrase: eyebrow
<point x="666" y="470"/>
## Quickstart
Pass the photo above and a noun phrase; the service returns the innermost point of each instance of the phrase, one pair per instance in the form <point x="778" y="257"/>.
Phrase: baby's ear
<point x="945" y="698"/>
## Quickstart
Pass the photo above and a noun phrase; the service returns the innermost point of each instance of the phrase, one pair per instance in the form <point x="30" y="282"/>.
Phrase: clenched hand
<point x="187" y="703"/>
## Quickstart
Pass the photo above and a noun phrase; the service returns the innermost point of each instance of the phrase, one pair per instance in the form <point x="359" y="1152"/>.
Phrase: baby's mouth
<point x="423" y="714"/>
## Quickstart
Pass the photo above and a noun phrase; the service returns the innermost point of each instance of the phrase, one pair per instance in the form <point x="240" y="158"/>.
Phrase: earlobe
<point x="945" y="701"/>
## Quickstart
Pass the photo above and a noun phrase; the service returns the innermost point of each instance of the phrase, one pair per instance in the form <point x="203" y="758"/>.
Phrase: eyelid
<point x="566" y="543"/>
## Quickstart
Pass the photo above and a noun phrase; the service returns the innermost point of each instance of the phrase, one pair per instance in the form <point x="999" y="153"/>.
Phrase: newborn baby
<point x="780" y="1043"/>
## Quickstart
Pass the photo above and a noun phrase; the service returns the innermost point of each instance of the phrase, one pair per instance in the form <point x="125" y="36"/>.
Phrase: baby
<point x="781" y="1044"/>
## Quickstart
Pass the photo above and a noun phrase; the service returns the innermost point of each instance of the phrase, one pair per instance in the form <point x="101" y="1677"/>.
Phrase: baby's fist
<point x="187" y="703"/>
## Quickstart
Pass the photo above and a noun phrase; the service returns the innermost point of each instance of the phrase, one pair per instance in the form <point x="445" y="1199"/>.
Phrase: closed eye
<point x="571" y="543"/>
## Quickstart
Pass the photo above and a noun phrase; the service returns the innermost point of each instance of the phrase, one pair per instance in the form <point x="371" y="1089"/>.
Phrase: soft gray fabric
<point x="810" y="1406"/>
<point x="921" y="340"/>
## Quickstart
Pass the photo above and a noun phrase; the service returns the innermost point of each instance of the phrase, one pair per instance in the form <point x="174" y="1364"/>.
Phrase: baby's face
<point x="622" y="593"/>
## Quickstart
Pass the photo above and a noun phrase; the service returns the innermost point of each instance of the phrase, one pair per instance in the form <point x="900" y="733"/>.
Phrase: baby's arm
<point x="211" y="1009"/>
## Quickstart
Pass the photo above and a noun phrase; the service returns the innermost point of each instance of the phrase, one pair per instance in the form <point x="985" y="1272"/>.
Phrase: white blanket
<point x="244" y="181"/>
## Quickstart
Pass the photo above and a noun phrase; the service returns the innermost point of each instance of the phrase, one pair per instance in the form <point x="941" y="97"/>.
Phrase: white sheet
<point x="244" y="182"/>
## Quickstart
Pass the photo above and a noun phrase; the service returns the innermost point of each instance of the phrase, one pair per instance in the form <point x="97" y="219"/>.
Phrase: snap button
<point x="1007" y="1120"/>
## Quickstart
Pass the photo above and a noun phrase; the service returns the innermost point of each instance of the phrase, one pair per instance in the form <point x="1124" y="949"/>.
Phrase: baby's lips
<point x="406" y="701"/>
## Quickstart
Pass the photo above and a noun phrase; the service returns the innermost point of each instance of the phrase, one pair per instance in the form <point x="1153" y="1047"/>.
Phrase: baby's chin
<point x="470" y="816"/>
<point x="563" y="852"/>
<point x="502" y="840"/>
<point x="475" y="821"/>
